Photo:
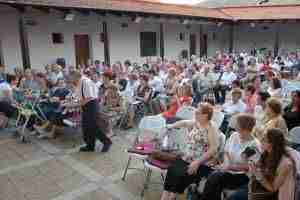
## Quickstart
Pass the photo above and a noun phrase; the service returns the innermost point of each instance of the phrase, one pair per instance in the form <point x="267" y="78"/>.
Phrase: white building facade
<point x="124" y="37"/>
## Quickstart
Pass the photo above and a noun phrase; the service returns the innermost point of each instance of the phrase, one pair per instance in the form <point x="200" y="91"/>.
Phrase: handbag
<point x="164" y="156"/>
<point x="258" y="192"/>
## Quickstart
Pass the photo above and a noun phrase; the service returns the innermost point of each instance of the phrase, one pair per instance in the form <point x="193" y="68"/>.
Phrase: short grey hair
<point x="75" y="75"/>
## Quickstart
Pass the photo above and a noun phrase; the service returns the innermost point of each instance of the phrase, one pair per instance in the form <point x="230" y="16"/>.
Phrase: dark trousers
<point x="221" y="89"/>
<point x="8" y="109"/>
<point x="218" y="181"/>
<point x="90" y="129"/>
<point x="240" y="194"/>
<point x="177" y="178"/>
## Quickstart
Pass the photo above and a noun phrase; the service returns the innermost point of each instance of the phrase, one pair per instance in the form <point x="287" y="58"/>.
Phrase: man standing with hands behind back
<point x="88" y="93"/>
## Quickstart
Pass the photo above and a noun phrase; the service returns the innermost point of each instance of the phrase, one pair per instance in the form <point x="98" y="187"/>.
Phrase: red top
<point x="171" y="112"/>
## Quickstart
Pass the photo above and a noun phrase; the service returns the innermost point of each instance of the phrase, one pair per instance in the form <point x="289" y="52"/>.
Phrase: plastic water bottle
<point x="165" y="142"/>
<point x="98" y="146"/>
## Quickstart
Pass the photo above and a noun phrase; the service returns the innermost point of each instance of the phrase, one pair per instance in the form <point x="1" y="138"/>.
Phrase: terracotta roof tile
<point x="129" y="5"/>
<point x="269" y="12"/>
<point x="278" y="12"/>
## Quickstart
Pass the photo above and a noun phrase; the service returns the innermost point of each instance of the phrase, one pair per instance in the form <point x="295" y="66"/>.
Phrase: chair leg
<point x="147" y="181"/>
<point x="126" y="169"/>
<point x="22" y="134"/>
<point x="162" y="177"/>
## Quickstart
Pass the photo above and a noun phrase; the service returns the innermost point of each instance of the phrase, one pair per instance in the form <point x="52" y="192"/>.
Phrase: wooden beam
<point x="231" y="37"/>
<point x="276" y="44"/>
<point x="19" y="8"/>
<point x="161" y="41"/>
<point x="106" y="43"/>
<point x="43" y="9"/>
<point x="24" y="43"/>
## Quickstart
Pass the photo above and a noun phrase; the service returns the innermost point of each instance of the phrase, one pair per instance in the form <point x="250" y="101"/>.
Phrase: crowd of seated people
<point x="249" y="89"/>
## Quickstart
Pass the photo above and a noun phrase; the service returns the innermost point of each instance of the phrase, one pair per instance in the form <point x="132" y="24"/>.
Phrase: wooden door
<point x="192" y="44"/>
<point x="203" y="47"/>
<point x="82" y="49"/>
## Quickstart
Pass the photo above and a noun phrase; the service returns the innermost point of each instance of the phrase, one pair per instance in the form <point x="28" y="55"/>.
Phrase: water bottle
<point x="165" y="143"/>
<point x="98" y="146"/>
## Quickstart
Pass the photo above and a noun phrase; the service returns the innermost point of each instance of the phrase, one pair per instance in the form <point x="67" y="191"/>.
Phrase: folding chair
<point x="186" y="113"/>
<point x="218" y="118"/>
<point x="151" y="125"/>
<point x="154" y="166"/>
<point x="294" y="138"/>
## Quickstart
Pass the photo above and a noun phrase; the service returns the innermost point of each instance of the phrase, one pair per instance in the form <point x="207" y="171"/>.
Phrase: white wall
<point x="125" y="42"/>
<point x="173" y="46"/>
<point x="289" y="39"/>
<point x="43" y="51"/>
<point x="9" y="36"/>
<point x="247" y="37"/>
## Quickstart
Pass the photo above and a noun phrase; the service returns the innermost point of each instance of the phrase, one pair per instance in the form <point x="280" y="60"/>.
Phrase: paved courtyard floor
<point x="55" y="170"/>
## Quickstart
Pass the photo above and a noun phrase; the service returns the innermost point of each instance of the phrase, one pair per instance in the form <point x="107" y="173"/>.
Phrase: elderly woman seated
<point x="201" y="145"/>
<point x="275" y="171"/>
<point x="231" y="174"/>
<point x="274" y="119"/>
<point x="111" y="107"/>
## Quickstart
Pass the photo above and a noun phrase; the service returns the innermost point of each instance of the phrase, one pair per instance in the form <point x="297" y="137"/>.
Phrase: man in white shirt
<point x="155" y="83"/>
<point x="236" y="105"/>
<point x="131" y="86"/>
<point x="88" y="93"/>
<point x="224" y="84"/>
<point x="231" y="108"/>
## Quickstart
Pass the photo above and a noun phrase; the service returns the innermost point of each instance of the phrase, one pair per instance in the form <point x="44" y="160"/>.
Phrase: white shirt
<point x="227" y="78"/>
<point x="4" y="86"/>
<point x="87" y="89"/>
<point x="234" y="147"/>
<point x="53" y="77"/>
<point x="130" y="89"/>
<point x="231" y="108"/>
<point x="157" y="84"/>
<point x="274" y="92"/>
<point x="276" y="66"/>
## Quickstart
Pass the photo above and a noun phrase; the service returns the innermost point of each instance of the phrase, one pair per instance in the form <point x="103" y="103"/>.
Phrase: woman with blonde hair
<point x="200" y="146"/>
<point x="274" y="119"/>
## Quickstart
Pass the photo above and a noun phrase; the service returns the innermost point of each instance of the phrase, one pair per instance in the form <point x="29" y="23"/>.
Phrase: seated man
<point x="236" y="105"/>
<point x="224" y="84"/>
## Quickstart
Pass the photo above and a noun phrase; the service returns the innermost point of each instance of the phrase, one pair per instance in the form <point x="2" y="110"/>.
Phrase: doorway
<point x="203" y="47"/>
<point x="82" y="50"/>
<point x="192" y="44"/>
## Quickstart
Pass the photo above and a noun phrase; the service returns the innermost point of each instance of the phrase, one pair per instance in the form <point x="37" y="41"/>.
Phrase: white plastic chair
<point x="186" y="113"/>
<point x="150" y="127"/>
<point x="218" y="118"/>
<point x="294" y="135"/>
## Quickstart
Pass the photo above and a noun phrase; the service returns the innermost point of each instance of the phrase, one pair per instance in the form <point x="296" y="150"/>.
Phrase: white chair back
<point x="222" y="142"/>
<point x="218" y="118"/>
<point x="186" y="113"/>
<point x="294" y="135"/>
<point x="152" y="127"/>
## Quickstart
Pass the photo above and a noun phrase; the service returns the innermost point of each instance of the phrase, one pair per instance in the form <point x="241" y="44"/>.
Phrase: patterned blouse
<point x="195" y="144"/>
